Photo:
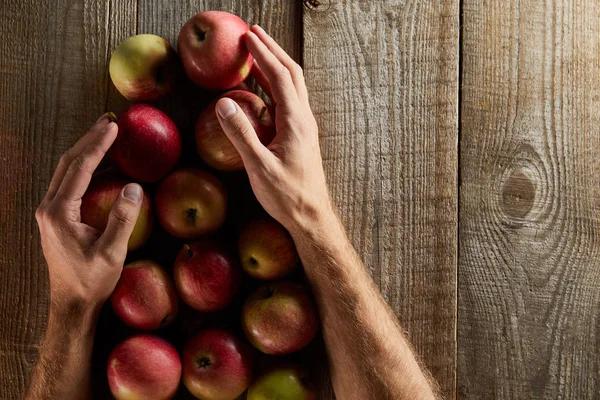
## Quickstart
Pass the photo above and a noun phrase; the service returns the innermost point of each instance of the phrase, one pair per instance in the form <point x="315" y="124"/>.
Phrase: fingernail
<point x="107" y="127"/>
<point x="226" y="108"/>
<point x="133" y="192"/>
<point x="102" y="117"/>
<point x="259" y="28"/>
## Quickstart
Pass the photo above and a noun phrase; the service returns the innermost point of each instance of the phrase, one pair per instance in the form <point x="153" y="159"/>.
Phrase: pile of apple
<point x="278" y="317"/>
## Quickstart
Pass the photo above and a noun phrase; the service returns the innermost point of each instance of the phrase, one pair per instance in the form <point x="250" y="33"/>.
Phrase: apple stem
<point x="187" y="248"/>
<point x="112" y="116"/>
<point x="262" y="112"/>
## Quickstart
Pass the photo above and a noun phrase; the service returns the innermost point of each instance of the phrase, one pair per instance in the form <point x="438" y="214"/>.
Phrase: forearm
<point x="369" y="357"/>
<point x="64" y="364"/>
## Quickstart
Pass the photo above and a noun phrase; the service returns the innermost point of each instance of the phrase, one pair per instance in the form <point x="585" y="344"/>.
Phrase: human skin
<point x="369" y="357"/>
<point x="84" y="266"/>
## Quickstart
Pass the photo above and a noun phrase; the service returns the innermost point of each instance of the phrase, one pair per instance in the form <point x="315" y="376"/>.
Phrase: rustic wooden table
<point x="460" y="139"/>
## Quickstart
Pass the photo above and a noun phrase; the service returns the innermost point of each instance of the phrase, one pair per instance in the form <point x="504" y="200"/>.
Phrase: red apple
<point x="144" y="367"/>
<point x="97" y="203"/>
<point x="213" y="145"/>
<point x="284" y="382"/>
<point x="191" y="203"/>
<point x="267" y="250"/>
<point x="217" y="365"/>
<point x="280" y="318"/>
<point x="145" y="297"/>
<point x="207" y="275"/>
<point x="148" y="144"/>
<point x="143" y="67"/>
<point x="212" y="49"/>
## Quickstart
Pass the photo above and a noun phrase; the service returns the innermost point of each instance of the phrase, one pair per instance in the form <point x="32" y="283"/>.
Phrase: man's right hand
<point x="287" y="176"/>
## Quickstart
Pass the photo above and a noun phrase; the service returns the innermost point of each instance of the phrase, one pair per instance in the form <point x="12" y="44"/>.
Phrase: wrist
<point x="315" y="222"/>
<point x="73" y="313"/>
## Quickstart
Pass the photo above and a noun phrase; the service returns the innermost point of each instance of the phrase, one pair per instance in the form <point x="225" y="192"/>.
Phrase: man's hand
<point x="287" y="176"/>
<point x="84" y="266"/>
<point x="369" y="358"/>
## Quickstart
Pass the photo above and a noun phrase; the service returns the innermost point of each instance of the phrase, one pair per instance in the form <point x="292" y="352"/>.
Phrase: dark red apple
<point x="145" y="296"/>
<point x="144" y="367"/>
<point x="148" y="144"/>
<point x="217" y="365"/>
<point x="283" y="382"/>
<point x="97" y="203"/>
<point x="207" y="275"/>
<point x="267" y="250"/>
<point x="280" y="318"/>
<point x="211" y="47"/>
<point x="213" y="145"/>
<point x="191" y="203"/>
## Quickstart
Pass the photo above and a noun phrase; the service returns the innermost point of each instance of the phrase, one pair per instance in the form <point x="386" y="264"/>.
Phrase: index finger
<point x="73" y="152"/>
<point x="285" y="59"/>
<point x="279" y="77"/>
<point x="79" y="174"/>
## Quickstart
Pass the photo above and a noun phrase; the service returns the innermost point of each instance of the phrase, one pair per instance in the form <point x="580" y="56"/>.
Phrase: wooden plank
<point x="383" y="80"/>
<point x="529" y="273"/>
<point x="53" y="84"/>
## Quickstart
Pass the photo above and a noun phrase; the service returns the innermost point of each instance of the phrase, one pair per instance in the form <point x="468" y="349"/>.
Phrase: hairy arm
<point x="368" y="355"/>
<point x="84" y="266"/>
<point x="65" y="350"/>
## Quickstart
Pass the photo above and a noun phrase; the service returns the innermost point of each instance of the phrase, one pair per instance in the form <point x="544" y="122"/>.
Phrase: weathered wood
<point x="383" y="80"/>
<point x="529" y="272"/>
<point x="54" y="83"/>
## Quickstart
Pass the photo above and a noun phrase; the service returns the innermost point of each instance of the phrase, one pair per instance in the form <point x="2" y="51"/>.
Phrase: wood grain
<point x="529" y="272"/>
<point x="54" y="83"/>
<point x="383" y="81"/>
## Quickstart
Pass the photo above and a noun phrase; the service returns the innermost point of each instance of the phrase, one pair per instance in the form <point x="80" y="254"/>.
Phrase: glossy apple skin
<point x="148" y="144"/>
<point x="145" y="297"/>
<point x="144" y="367"/>
<point x="143" y="67"/>
<point x="213" y="145"/>
<point x="280" y="318"/>
<point x="217" y="365"/>
<point x="211" y="47"/>
<point x="191" y="203"/>
<point x="285" y="382"/>
<point x="207" y="275"/>
<point x="97" y="203"/>
<point x="267" y="251"/>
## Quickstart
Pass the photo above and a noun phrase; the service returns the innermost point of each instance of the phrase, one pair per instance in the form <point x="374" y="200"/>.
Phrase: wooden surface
<point x="529" y="271"/>
<point x="53" y="87"/>
<point x="383" y="80"/>
<point x="509" y="217"/>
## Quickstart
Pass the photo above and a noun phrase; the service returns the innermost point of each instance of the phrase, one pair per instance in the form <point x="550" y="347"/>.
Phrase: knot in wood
<point x="518" y="195"/>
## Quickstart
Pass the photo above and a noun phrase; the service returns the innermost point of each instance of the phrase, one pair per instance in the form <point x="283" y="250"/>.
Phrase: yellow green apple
<point x="284" y="382"/>
<point x="143" y="67"/>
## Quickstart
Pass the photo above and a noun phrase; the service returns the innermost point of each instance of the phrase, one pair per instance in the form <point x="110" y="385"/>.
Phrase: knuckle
<point x="298" y="69"/>
<point x="282" y="73"/>
<point x="79" y="164"/>
<point x="241" y="127"/>
<point x="40" y="213"/>
<point x="65" y="159"/>
<point x="123" y="216"/>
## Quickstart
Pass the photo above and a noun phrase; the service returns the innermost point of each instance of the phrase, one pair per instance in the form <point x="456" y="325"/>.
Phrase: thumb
<point x="240" y="131"/>
<point x="121" y="220"/>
